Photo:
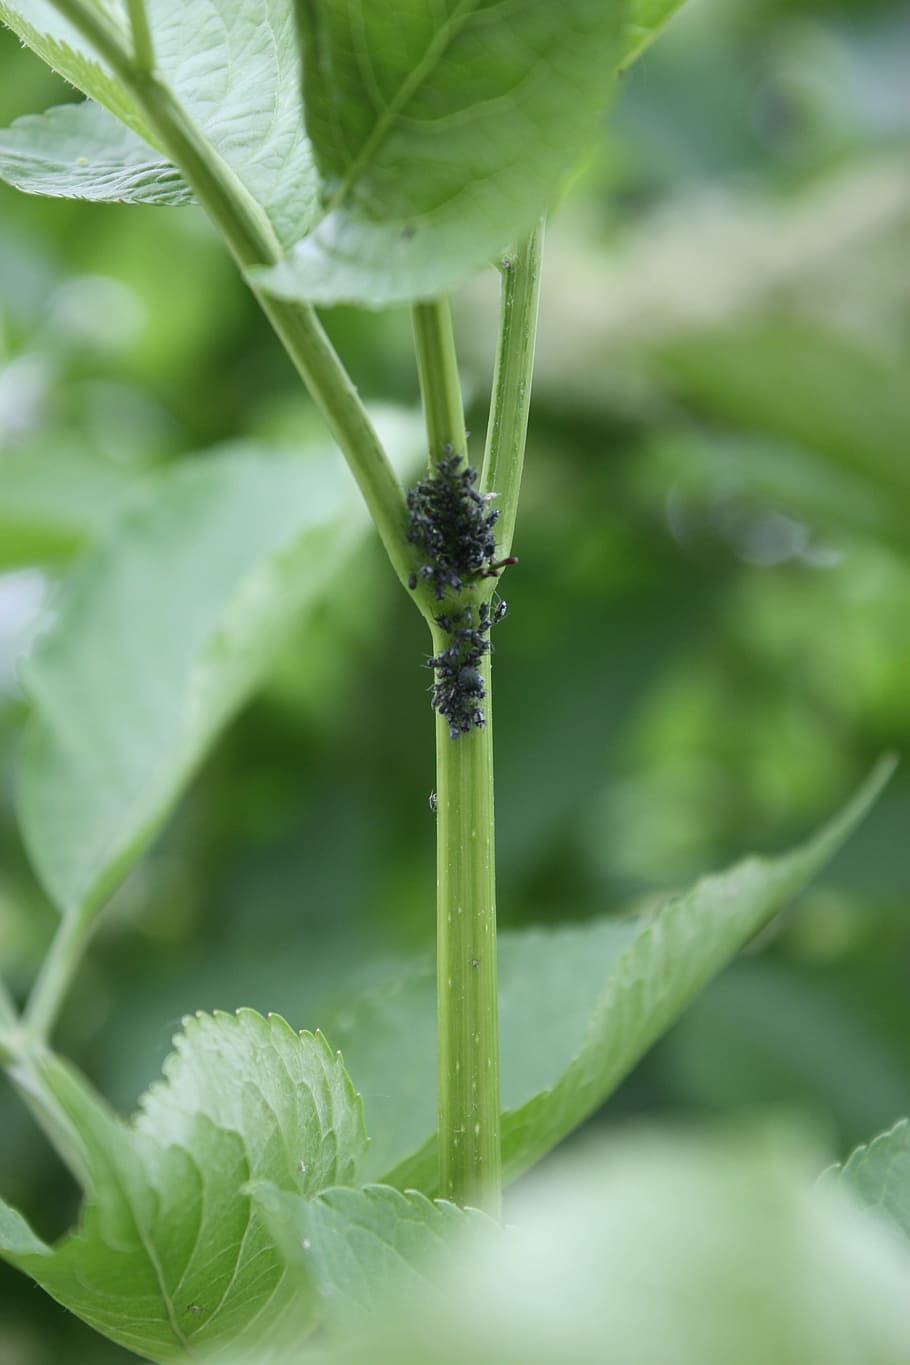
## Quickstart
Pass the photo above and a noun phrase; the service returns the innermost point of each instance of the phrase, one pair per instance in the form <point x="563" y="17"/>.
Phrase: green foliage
<point x="78" y="151"/>
<point x="380" y="87"/>
<point x="644" y="23"/>
<point x="879" y="1173"/>
<point x="549" y="984"/>
<point x="233" y="68"/>
<point x="385" y="89"/>
<point x="58" y="43"/>
<point x="359" y="1248"/>
<point x="189" y="597"/>
<point x="701" y="1252"/>
<point x="417" y="139"/>
<point x="53" y="503"/>
<point x="171" y="1256"/>
<point x="804" y="384"/>
<point x="578" y="1008"/>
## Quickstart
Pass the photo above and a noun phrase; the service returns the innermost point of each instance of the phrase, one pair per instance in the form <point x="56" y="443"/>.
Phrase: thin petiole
<point x="57" y="971"/>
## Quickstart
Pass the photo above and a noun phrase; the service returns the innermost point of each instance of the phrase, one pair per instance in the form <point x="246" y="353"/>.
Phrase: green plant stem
<point x="466" y="979"/>
<point x="100" y="30"/>
<point x="252" y="241"/>
<point x="143" y="48"/>
<point x="57" y="971"/>
<point x="437" y="368"/>
<point x="467" y="1010"/>
<point x="30" y="1067"/>
<point x="508" y="426"/>
<point x="317" y="362"/>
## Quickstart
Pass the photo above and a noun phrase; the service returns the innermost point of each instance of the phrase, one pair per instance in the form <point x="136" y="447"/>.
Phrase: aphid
<point x="470" y="681"/>
<point x="434" y="802"/>
<point x="195" y="1308"/>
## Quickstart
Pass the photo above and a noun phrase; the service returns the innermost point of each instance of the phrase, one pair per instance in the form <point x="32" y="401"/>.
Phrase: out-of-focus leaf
<point x="53" y="501"/>
<point x="171" y="1258"/>
<point x="763" y="1035"/>
<point x="699" y="1251"/>
<point x="578" y="1008"/>
<point x="441" y="133"/>
<point x="806" y="385"/>
<point x="165" y="629"/>
<point x="880" y="1174"/>
<point x="645" y="22"/>
<point x="80" y="151"/>
<point x="234" y="67"/>
<point x="829" y="497"/>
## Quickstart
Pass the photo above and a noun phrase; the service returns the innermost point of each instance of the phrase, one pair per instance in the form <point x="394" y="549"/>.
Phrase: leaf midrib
<point x="147" y="1243"/>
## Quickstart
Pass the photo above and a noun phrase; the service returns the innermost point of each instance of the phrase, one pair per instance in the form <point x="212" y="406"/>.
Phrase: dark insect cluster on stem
<point x="459" y="688"/>
<point x="452" y="525"/>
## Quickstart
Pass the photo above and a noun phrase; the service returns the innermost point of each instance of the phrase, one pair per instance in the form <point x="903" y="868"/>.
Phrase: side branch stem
<point x="143" y="48"/>
<point x="508" y="426"/>
<point x="57" y="971"/>
<point x="437" y="367"/>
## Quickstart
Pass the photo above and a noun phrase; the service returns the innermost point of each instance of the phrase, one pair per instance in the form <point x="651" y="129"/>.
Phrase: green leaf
<point x="806" y="385"/>
<point x="53" y="501"/>
<point x="56" y="42"/>
<point x="80" y="151"/>
<point x="166" y="628"/>
<point x="831" y="497"/>
<point x="234" y="67"/>
<point x="880" y="1174"/>
<point x="646" y="20"/>
<point x="171" y="1257"/>
<point x="358" y="1246"/>
<point x="695" y="1250"/>
<point x="441" y="133"/>
<point x="578" y="1008"/>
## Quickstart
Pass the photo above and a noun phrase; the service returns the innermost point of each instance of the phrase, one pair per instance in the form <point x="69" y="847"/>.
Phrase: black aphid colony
<point x="458" y="689"/>
<point x="452" y="524"/>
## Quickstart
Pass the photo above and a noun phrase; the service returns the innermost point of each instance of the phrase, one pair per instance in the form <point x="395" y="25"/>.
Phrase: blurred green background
<point x="708" y="639"/>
